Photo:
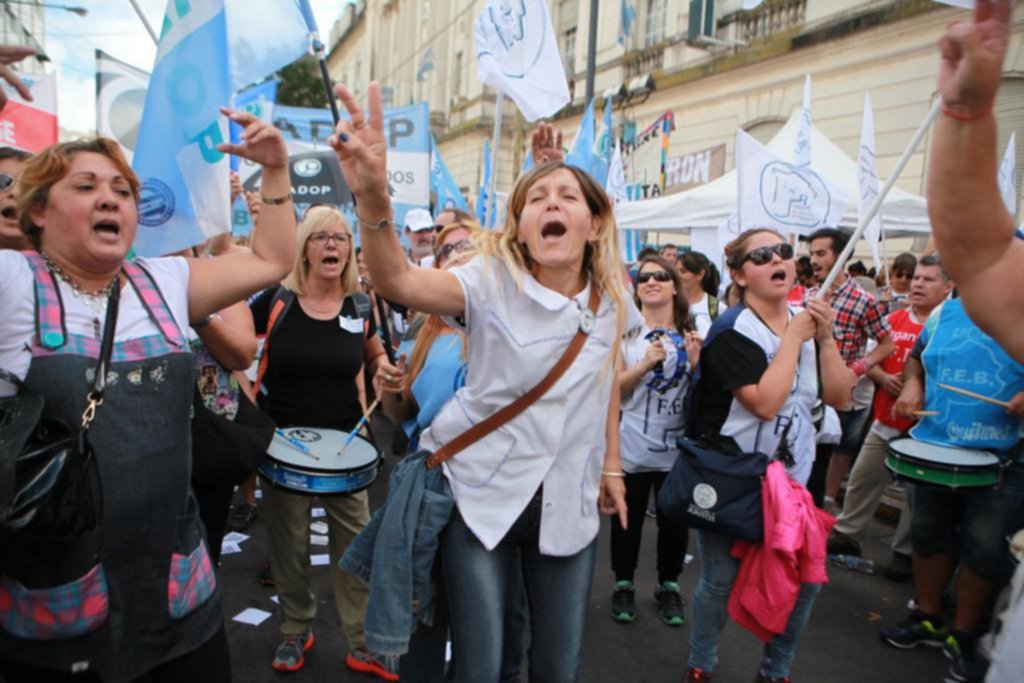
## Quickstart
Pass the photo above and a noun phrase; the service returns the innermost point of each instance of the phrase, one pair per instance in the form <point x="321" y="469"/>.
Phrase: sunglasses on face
<point x="321" y="238"/>
<point x="6" y="181"/>
<point x="658" y="275"/>
<point x="445" y="252"/>
<point x="763" y="255"/>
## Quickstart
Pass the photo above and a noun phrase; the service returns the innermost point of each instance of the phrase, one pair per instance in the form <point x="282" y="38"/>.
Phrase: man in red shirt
<point x="929" y="288"/>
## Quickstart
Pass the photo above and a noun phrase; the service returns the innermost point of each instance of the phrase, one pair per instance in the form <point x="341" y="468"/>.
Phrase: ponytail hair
<point x="696" y="263"/>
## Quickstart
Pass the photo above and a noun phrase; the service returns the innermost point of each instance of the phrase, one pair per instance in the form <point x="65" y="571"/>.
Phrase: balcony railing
<point x="770" y="18"/>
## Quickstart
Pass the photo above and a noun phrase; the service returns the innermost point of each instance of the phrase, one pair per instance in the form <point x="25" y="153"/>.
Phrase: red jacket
<point x="793" y="552"/>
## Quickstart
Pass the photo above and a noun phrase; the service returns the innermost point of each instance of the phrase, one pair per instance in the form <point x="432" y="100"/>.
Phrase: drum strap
<point x="517" y="407"/>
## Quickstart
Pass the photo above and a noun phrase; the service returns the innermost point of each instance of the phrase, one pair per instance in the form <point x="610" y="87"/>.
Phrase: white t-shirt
<point x="17" y="308"/>
<point x="515" y="336"/>
<point x="701" y="314"/>
<point x="651" y="421"/>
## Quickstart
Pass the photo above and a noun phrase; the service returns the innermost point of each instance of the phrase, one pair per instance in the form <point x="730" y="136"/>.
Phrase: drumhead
<point x="325" y="444"/>
<point x="905" y="447"/>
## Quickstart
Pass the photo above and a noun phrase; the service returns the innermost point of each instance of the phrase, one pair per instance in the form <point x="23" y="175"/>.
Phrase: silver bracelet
<point x="382" y="223"/>
<point x="621" y="475"/>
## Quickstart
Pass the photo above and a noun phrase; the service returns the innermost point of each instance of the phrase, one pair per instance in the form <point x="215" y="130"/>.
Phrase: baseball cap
<point x="418" y="220"/>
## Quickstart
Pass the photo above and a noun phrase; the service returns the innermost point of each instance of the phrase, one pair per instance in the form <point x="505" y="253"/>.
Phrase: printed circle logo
<point x="705" y="496"/>
<point x="254" y="108"/>
<point x="307" y="168"/>
<point x="514" y="35"/>
<point x="304" y="435"/>
<point x="156" y="203"/>
<point x="794" y="196"/>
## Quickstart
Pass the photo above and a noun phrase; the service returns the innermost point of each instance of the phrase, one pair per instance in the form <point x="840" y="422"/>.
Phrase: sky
<point x="113" y="26"/>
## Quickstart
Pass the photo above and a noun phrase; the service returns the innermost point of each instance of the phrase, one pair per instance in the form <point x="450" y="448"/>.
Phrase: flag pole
<point x="319" y="52"/>
<point x="492" y="199"/>
<point x="929" y="119"/>
<point x="145" y="22"/>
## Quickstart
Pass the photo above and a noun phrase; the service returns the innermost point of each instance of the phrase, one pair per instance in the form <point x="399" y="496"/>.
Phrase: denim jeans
<point x="557" y="589"/>
<point x="710" y="610"/>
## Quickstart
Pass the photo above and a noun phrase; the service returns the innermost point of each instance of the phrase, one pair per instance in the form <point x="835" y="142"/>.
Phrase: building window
<point x="569" y="50"/>
<point x="654" y="22"/>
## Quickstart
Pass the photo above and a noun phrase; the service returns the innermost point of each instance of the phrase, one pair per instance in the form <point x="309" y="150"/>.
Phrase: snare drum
<point x="942" y="466"/>
<point x="288" y="467"/>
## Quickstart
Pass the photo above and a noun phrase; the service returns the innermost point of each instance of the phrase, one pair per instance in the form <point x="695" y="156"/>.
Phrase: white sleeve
<point x="476" y="278"/>
<point x="17" y="306"/>
<point x="171" y="274"/>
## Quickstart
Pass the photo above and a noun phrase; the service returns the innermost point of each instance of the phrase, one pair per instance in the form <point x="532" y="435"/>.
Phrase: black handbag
<point x="716" y="487"/>
<point x="49" y="482"/>
<point x="226" y="452"/>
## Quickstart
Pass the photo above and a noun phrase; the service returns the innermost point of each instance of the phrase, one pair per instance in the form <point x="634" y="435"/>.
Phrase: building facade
<point x="715" y="66"/>
<point x="24" y="24"/>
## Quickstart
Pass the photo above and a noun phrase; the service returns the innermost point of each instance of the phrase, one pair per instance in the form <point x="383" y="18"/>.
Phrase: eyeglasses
<point x="763" y="255"/>
<point x="6" y="181"/>
<point x="658" y="275"/>
<point x="320" y="238"/>
<point x="445" y="252"/>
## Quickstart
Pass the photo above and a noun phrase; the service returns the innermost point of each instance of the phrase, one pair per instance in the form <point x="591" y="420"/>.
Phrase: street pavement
<point x="841" y="643"/>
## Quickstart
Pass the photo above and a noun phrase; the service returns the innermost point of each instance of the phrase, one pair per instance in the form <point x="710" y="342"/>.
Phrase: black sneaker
<point x="670" y="603"/>
<point x="916" y="629"/>
<point x="624" y="602"/>
<point x="900" y="569"/>
<point x="967" y="664"/>
<point x="244" y="515"/>
<point x="841" y="544"/>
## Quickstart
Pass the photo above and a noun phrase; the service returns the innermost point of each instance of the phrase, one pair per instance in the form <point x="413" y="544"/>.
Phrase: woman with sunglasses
<point x="527" y="495"/>
<point x="758" y="383"/>
<point x="312" y="376"/>
<point x="11" y="163"/>
<point x="659" y="362"/>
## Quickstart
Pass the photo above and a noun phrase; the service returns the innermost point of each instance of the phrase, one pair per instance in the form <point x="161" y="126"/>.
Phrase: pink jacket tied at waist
<point x="793" y="552"/>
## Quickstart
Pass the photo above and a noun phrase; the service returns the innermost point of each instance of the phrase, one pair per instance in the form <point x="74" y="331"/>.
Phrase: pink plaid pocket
<point x="54" y="613"/>
<point x="191" y="582"/>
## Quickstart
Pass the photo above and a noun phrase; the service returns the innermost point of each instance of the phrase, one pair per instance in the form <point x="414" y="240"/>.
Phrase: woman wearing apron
<point x="149" y="605"/>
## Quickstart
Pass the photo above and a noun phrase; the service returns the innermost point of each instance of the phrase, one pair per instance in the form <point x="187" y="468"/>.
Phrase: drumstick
<point x="359" y="425"/>
<point x="297" y="445"/>
<point x="971" y="394"/>
<point x="925" y="413"/>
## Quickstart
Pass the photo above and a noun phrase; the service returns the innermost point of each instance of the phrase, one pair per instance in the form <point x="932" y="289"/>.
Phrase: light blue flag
<point x="582" y="149"/>
<point x="208" y="49"/>
<point x="602" y="155"/>
<point x="628" y="15"/>
<point x="426" y="64"/>
<point x="481" y="195"/>
<point x="446" y="191"/>
<point x="527" y="162"/>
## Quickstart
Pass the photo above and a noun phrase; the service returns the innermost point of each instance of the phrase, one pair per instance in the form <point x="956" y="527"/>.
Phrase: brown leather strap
<point x="485" y="427"/>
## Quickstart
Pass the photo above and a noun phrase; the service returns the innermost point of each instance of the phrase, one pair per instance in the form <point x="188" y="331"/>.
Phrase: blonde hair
<point x="601" y="259"/>
<point x="315" y="220"/>
<point x="433" y="325"/>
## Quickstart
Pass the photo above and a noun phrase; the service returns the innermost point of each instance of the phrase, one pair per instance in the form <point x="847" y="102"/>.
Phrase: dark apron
<point x="159" y="583"/>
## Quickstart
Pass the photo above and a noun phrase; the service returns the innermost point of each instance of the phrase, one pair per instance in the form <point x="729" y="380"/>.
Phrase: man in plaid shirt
<point x="857" y="316"/>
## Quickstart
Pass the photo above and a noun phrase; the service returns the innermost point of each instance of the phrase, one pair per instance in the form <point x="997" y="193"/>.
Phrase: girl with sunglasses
<point x="758" y="382"/>
<point x="659" y="362"/>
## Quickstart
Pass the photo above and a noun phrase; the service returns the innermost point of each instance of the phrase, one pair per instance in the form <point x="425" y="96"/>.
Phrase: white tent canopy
<point x="708" y="205"/>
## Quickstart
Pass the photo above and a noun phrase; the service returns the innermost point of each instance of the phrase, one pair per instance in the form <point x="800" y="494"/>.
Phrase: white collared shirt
<point x="515" y="337"/>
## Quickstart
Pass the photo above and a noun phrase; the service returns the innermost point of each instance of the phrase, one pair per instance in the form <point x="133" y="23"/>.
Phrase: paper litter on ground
<point x="318" y="540"/>
<point x="319" y="512"/>
<point x="251" y="616"/>
<point x="320" y="560"/>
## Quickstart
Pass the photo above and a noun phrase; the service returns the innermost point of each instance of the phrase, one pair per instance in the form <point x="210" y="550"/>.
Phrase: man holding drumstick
<point x="972" y="391"/>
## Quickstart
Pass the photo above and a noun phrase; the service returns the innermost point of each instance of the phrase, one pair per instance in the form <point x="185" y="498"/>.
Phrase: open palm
<point x="362" y="148"/>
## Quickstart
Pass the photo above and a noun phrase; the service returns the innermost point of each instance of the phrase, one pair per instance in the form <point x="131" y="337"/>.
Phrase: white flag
<point x="120" y="96"/>
<point x="802" y="150"/>
<point x="867" y="180"/>
<point x="1008" y="176"/>
<point x="777" y="194"/>
<point x="618" y="192"/>
<point x="517" y="54"/>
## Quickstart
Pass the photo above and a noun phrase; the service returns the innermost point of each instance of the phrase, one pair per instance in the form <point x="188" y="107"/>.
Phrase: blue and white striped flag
<point x="208" y="50"/>
<point x="446" y="191"/>
<point x="485" y="183"/>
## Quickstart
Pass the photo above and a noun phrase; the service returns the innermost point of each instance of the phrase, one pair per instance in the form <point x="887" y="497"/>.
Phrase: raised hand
<point x="11" y="54"/>
<point x="260" y="142"/>
<point x="362" y="152"/>
<point x="972" y="52"/>
<point x="546" y="144"/>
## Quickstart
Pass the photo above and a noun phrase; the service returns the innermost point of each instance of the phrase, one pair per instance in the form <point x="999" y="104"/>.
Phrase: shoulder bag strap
<point x="279" y="305"/>
<point x="517" y="407"/>
<point x="99" y="382"/>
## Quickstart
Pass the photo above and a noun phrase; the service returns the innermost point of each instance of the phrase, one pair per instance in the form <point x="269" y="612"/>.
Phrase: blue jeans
<point x="710" y="610"/>
<point x="557" y="589"/>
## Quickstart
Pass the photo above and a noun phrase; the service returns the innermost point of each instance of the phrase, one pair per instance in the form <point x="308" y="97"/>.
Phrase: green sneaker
<point x="624" y="602"/>
<point x="916" y="629"/>
<point x="670" y="603"/>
